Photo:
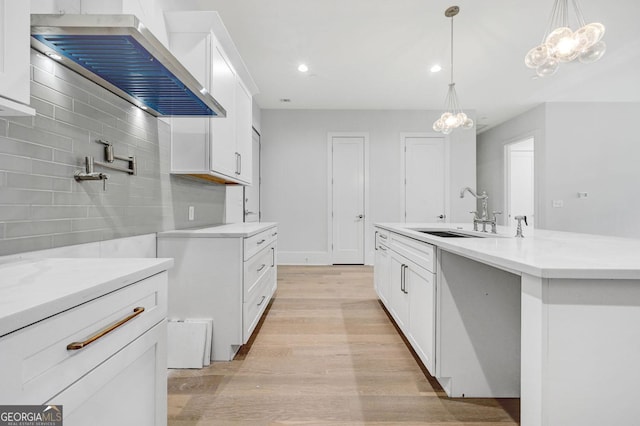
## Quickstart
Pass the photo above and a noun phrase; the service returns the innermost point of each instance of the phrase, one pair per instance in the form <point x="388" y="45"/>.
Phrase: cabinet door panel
<point x="223" y="142"/>
<point x="244" y="132"/>
<point x="399" y="299"/>
<point x="14" y="50"/>
<point x="421" y="286"/>
<point x="128" y="388"/>
<point x="190" y="136"/>
<point x="381" y="274"/>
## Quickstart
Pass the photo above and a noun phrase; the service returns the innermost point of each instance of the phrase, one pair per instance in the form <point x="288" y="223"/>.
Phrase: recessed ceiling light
<point x="55" y="56"/>
<point x="436" y="68"/>
<point x="303" y="68"/>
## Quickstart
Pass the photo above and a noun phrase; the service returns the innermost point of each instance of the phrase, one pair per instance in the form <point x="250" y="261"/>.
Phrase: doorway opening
<point x="520" y="181"/>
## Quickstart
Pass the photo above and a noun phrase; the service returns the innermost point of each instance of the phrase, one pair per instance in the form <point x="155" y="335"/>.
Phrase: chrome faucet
<point x="483" y="196"/>
<point x="484" y="217"/>
<point x="519" y="229"/>
<point x="89" y="174"/>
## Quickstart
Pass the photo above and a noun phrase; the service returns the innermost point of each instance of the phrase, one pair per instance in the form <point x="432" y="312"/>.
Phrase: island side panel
<point x="593" y="367"/>
<point x="533" y="349"/>
<point x="478" y="328"/>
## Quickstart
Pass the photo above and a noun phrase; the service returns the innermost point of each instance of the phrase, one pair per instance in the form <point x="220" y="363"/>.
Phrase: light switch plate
<point x="192" y="212"/>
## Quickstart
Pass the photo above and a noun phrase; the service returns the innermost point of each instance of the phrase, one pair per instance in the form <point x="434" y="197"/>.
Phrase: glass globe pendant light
<point x="561" y="44"/>
<point x="453" y="117"/>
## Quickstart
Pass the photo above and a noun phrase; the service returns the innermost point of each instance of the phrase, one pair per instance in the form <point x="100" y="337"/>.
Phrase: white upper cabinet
<point x="224" y="157"/>
<point x="244" y="132"/>
<point x="14" y="58"/>
<point x="217" y="148"/>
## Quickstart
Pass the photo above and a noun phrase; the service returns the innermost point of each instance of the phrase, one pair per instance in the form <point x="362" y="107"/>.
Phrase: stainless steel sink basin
<point x="449" y="234"/>
<point x="454" y="233"/>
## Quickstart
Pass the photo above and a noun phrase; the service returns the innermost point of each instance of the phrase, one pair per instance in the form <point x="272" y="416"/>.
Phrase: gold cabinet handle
<point x="79" y="345"/>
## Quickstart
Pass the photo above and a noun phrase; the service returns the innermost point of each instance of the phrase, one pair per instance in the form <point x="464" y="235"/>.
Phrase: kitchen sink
<point x="451" y="233"/>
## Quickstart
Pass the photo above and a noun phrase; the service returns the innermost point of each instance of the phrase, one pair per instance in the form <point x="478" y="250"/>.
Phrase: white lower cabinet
<point x="224" y="275"/>
<point x="123" y="389"/>
<point x="399" y="305"/>
<point x="406" y="271"/>
<point x="420" y="285"/>
<point x="116" y="377"/>
<point x="382" y="271"/>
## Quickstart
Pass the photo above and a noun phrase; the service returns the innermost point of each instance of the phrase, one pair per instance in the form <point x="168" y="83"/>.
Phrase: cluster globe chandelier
<point x="561" y="44"/>
<point x="453" y="117"/>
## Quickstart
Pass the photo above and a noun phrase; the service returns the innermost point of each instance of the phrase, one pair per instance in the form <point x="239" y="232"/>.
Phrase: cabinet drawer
<point x="257" y="303"/>
<point x="133" y="381"/>
<point x="35" y="362"/>
<point x="417" y="251"/>
<point x="256" y="267"/>
<point x="382" y="237"/>
<point x="255" y="243"/>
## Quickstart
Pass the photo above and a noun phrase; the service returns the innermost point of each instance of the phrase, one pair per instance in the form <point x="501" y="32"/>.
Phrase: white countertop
<point x="32" y="290"/>
<point x="542" y="253"/>
<point x="232" y="230"/>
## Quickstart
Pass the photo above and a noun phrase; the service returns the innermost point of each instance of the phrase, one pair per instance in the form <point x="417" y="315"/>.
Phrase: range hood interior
<point x="119" y="53"/>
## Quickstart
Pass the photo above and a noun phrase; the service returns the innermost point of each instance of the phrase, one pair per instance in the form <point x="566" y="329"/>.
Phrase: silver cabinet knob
<point x="360" y="216"/>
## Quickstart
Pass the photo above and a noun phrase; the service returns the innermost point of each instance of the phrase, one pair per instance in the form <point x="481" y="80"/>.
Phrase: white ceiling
<point x="376" y="54"/>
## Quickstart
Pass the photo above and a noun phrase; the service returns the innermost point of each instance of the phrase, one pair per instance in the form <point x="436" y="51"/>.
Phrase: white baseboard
<point x="311" y="258"/>
<point x="304" y="258"/>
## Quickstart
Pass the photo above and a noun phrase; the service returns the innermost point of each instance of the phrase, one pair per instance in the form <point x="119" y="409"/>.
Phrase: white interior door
<point x="252" y="192"/>
<point x="520" y="181"/>
<point x="348" y="204"/>
<point x="424" y="179"/>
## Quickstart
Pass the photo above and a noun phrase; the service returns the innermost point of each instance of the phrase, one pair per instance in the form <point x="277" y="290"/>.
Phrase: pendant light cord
<point x="451" y="81"/>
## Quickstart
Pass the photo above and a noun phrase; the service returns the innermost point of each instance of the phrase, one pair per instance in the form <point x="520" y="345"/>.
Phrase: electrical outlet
<point x="557" y="203"/>
<point x="192" y="212"/>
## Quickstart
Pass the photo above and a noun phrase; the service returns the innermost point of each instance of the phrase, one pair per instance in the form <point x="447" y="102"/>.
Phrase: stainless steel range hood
<point x="119" y="53"/>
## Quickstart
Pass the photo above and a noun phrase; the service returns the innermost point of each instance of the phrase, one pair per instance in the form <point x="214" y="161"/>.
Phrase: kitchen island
<point x="552" y="317"/>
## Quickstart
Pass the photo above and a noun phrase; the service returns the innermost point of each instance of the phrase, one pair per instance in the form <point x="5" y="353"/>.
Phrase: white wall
<point x="581" y="147"/>
<point x="490" y="161"/>
<point x="294" y="177"/>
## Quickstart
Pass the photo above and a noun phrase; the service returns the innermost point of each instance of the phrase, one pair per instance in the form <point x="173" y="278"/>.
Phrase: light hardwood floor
<point x="326" y="353"/>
